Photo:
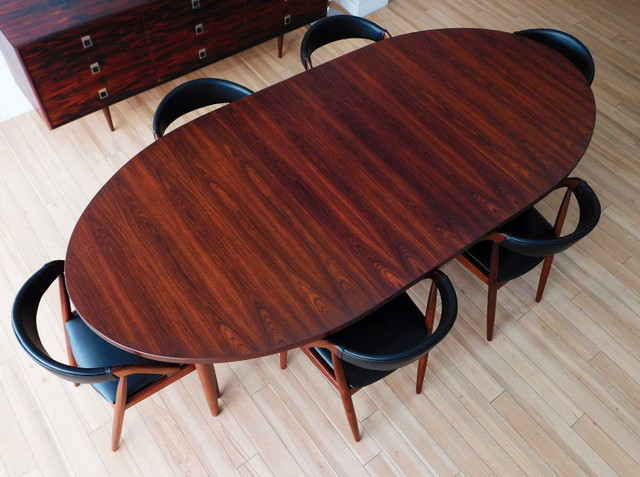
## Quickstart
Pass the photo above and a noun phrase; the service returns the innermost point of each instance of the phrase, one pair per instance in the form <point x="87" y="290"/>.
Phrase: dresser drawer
<point x="174" y="62"/>
<point x="270" y="18"/>
<point x="183" y="39"/>
<point x="225" y="15"/>
<point x="229" y="32"/>
<point x="171" y="14"/>
<point x="87" y="42"/>
<point x="71" y="89"/>
<point x="175" y="45"/>
<point x="266" y="19"/>
<point x="298" y="13"/>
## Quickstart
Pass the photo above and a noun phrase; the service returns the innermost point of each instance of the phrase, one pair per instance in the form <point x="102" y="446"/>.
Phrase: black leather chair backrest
<point x="338" y="27"/>
<point x="391" y="362"/>
<point x="25" y="308"/>
<point x="565" y="44"/>
<point x="589" y="217"/>
<point x="193" y="95"/>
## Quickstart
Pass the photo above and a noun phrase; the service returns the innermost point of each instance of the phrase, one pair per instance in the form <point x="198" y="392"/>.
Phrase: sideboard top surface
<point x="25" y="21"/>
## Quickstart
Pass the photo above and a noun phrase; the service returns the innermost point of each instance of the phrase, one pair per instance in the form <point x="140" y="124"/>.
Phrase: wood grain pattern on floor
<point x="557" y="392"/>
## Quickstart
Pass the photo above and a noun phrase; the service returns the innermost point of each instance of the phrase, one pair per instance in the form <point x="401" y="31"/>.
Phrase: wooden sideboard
<point x="74" y="57"/>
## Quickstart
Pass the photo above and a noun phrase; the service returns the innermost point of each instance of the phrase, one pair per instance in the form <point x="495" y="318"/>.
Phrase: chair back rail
<point x="565" y="44"/>
<point x="391" y="362"/>
<point x="194" y="95"/>
<point x="338" y="27"/>
<point x="590" y="211"/>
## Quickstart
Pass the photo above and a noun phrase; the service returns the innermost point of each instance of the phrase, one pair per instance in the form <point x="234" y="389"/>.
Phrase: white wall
<point x="361" y="8"/>
<point x="12" y="101"/>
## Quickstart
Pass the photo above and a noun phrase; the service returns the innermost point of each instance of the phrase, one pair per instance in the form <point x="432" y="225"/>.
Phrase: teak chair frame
<point x="497" y="238"/>
<point x="336" y="376"/>
<point x="171" y="372"/>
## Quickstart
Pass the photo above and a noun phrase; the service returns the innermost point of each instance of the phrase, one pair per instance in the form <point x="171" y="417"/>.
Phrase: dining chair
<point x="565" y="44"/>
<point x="522" y="243"/>
<point x="338" y="27"/>
<point x="391" y="337"/>
<point x="122" y="378"/>
<point x="192" y="95"/>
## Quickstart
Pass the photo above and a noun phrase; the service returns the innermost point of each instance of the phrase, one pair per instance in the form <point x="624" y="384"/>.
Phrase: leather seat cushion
<point x="357" y="377"/>
<point x="530" y="225"/>
<point x="90" y="351"/>
<point x="392" y="329"/>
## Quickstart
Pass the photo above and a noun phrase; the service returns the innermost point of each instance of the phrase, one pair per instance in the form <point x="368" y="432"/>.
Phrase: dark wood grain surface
<point x="24" y="21"/>
<point x="136" y="43"/>
<point x="291" y="213"/>
<point x="60" y="67"/>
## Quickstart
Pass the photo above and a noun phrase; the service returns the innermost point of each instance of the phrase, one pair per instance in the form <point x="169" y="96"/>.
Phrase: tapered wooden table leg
<point x="210" y="386"/>
<point x="107" y="116"/>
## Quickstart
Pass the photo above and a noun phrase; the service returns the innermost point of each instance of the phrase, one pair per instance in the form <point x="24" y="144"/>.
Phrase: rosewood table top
<point x="298" y="210"/>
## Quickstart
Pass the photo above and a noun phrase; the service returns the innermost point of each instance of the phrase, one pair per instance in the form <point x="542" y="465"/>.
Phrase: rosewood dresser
<point x="74" y="57"/>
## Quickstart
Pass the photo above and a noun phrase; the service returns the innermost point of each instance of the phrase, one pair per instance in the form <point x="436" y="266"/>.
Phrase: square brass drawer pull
<point x="195" y="4"/>
<point x="103" y="93"/>
<point x="202" y="53"/>
<point x="95" y="68"/>
<point x="86" y="41"/>
<point x="287" y="19"/>
<point x="199" y="29"/>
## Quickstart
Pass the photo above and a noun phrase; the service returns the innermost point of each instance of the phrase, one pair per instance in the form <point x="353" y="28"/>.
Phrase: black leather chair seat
<point x="530" y="225"/>
<point x="390" y="330"/>
<point x="90" y="351"/>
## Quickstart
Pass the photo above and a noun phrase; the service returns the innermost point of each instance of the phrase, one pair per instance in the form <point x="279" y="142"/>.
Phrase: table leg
<point x="207" y="375"/>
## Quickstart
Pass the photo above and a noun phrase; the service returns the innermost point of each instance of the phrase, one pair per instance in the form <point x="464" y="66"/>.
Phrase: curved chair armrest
<point x="496" y="237"/>
<point x="392" y="362"/>
<point x="570" y="183"/>
<point x="323" y="343"/>
<point x="25" y="308"/>
<point x="129" y="369"/>
<point x="590" y="211"/>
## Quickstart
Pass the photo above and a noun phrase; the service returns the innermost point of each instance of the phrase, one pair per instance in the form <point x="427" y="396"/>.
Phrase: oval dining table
<point x="289" y="214"/>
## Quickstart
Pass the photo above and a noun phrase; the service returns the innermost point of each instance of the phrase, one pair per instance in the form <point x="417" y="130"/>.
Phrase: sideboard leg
<point x="107" y="116"/>
<point x="280" y="40"/>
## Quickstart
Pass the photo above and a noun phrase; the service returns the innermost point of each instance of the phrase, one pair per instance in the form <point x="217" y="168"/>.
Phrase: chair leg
<point x="546" y="268"/>
<point x="118" y="413"/>
<point x="283" y="360"/>
<point x="430" y="315"/>
<point x="422" y="369"/>
<point x="209" y="383"/>
<point x="66" y="316"/>
<point x="280" y="42"/>
<point x="493" y="291"/>
<point x="345" y="394"/>
<point x="491" y="308"/>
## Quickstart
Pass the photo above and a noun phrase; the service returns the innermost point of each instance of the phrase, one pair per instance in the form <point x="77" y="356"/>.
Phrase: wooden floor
<point x="556" y="392"/>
